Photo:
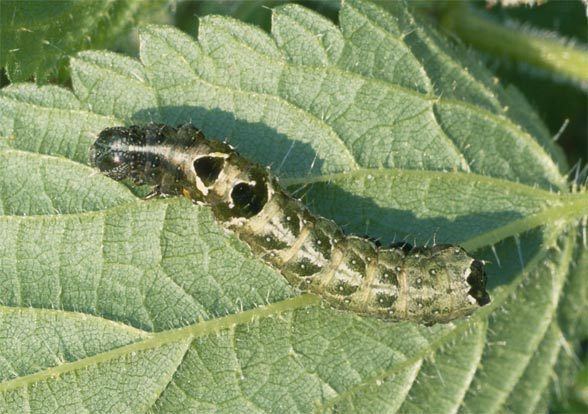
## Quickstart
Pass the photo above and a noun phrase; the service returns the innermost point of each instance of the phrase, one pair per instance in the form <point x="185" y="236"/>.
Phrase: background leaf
<point x="39" y="37"/>
<point x="115" y="304"/>
<point x="568" y="20"/>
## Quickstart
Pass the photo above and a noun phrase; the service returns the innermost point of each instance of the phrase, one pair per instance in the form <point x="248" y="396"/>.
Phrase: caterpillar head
<point x="477" y="281"/>
<point x="446" y="283"/>
<point x="109" y="152"/>
<point x="133" y="152"/>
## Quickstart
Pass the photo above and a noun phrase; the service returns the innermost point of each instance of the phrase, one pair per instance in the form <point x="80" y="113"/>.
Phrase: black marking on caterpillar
<point x="400" y="282"/>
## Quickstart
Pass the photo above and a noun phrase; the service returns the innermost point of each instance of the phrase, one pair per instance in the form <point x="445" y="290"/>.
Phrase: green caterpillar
<point x="421" y="284"/>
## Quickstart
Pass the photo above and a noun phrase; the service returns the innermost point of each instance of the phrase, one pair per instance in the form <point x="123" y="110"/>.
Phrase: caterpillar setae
<point x="400" y="282"/>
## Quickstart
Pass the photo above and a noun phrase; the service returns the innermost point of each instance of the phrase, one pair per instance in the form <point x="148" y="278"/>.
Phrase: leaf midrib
<point x="532" y="191"/>
<point x="165" y="337"/>
<point x="426" y="174"/>
<point x="558" y="207"/>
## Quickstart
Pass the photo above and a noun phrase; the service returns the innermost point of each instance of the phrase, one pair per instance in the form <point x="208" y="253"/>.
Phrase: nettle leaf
<point x="39" y="37"/>
<point x="111" y="303"/>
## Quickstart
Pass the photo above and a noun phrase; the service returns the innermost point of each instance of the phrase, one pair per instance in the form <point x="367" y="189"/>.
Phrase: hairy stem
<point x="525" y="46"/>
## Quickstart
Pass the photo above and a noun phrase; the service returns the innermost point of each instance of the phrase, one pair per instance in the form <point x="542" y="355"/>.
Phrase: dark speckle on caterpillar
<point x="421" y="284"/>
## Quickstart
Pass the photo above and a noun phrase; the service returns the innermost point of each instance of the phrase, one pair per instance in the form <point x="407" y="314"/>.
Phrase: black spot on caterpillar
<point x="400" y="282"/>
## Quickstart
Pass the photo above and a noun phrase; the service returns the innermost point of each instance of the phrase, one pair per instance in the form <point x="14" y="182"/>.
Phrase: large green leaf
<point x="110" y="303"/>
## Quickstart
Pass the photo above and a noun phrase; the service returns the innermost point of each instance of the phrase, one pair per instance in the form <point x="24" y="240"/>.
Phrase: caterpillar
<point x="400" y="282"/>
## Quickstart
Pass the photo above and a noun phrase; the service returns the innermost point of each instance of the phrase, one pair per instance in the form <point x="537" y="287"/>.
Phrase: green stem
<point x="520" y="45"/>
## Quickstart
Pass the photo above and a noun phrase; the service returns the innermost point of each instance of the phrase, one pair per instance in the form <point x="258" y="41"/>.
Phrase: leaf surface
<point x="113" y="303"/>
